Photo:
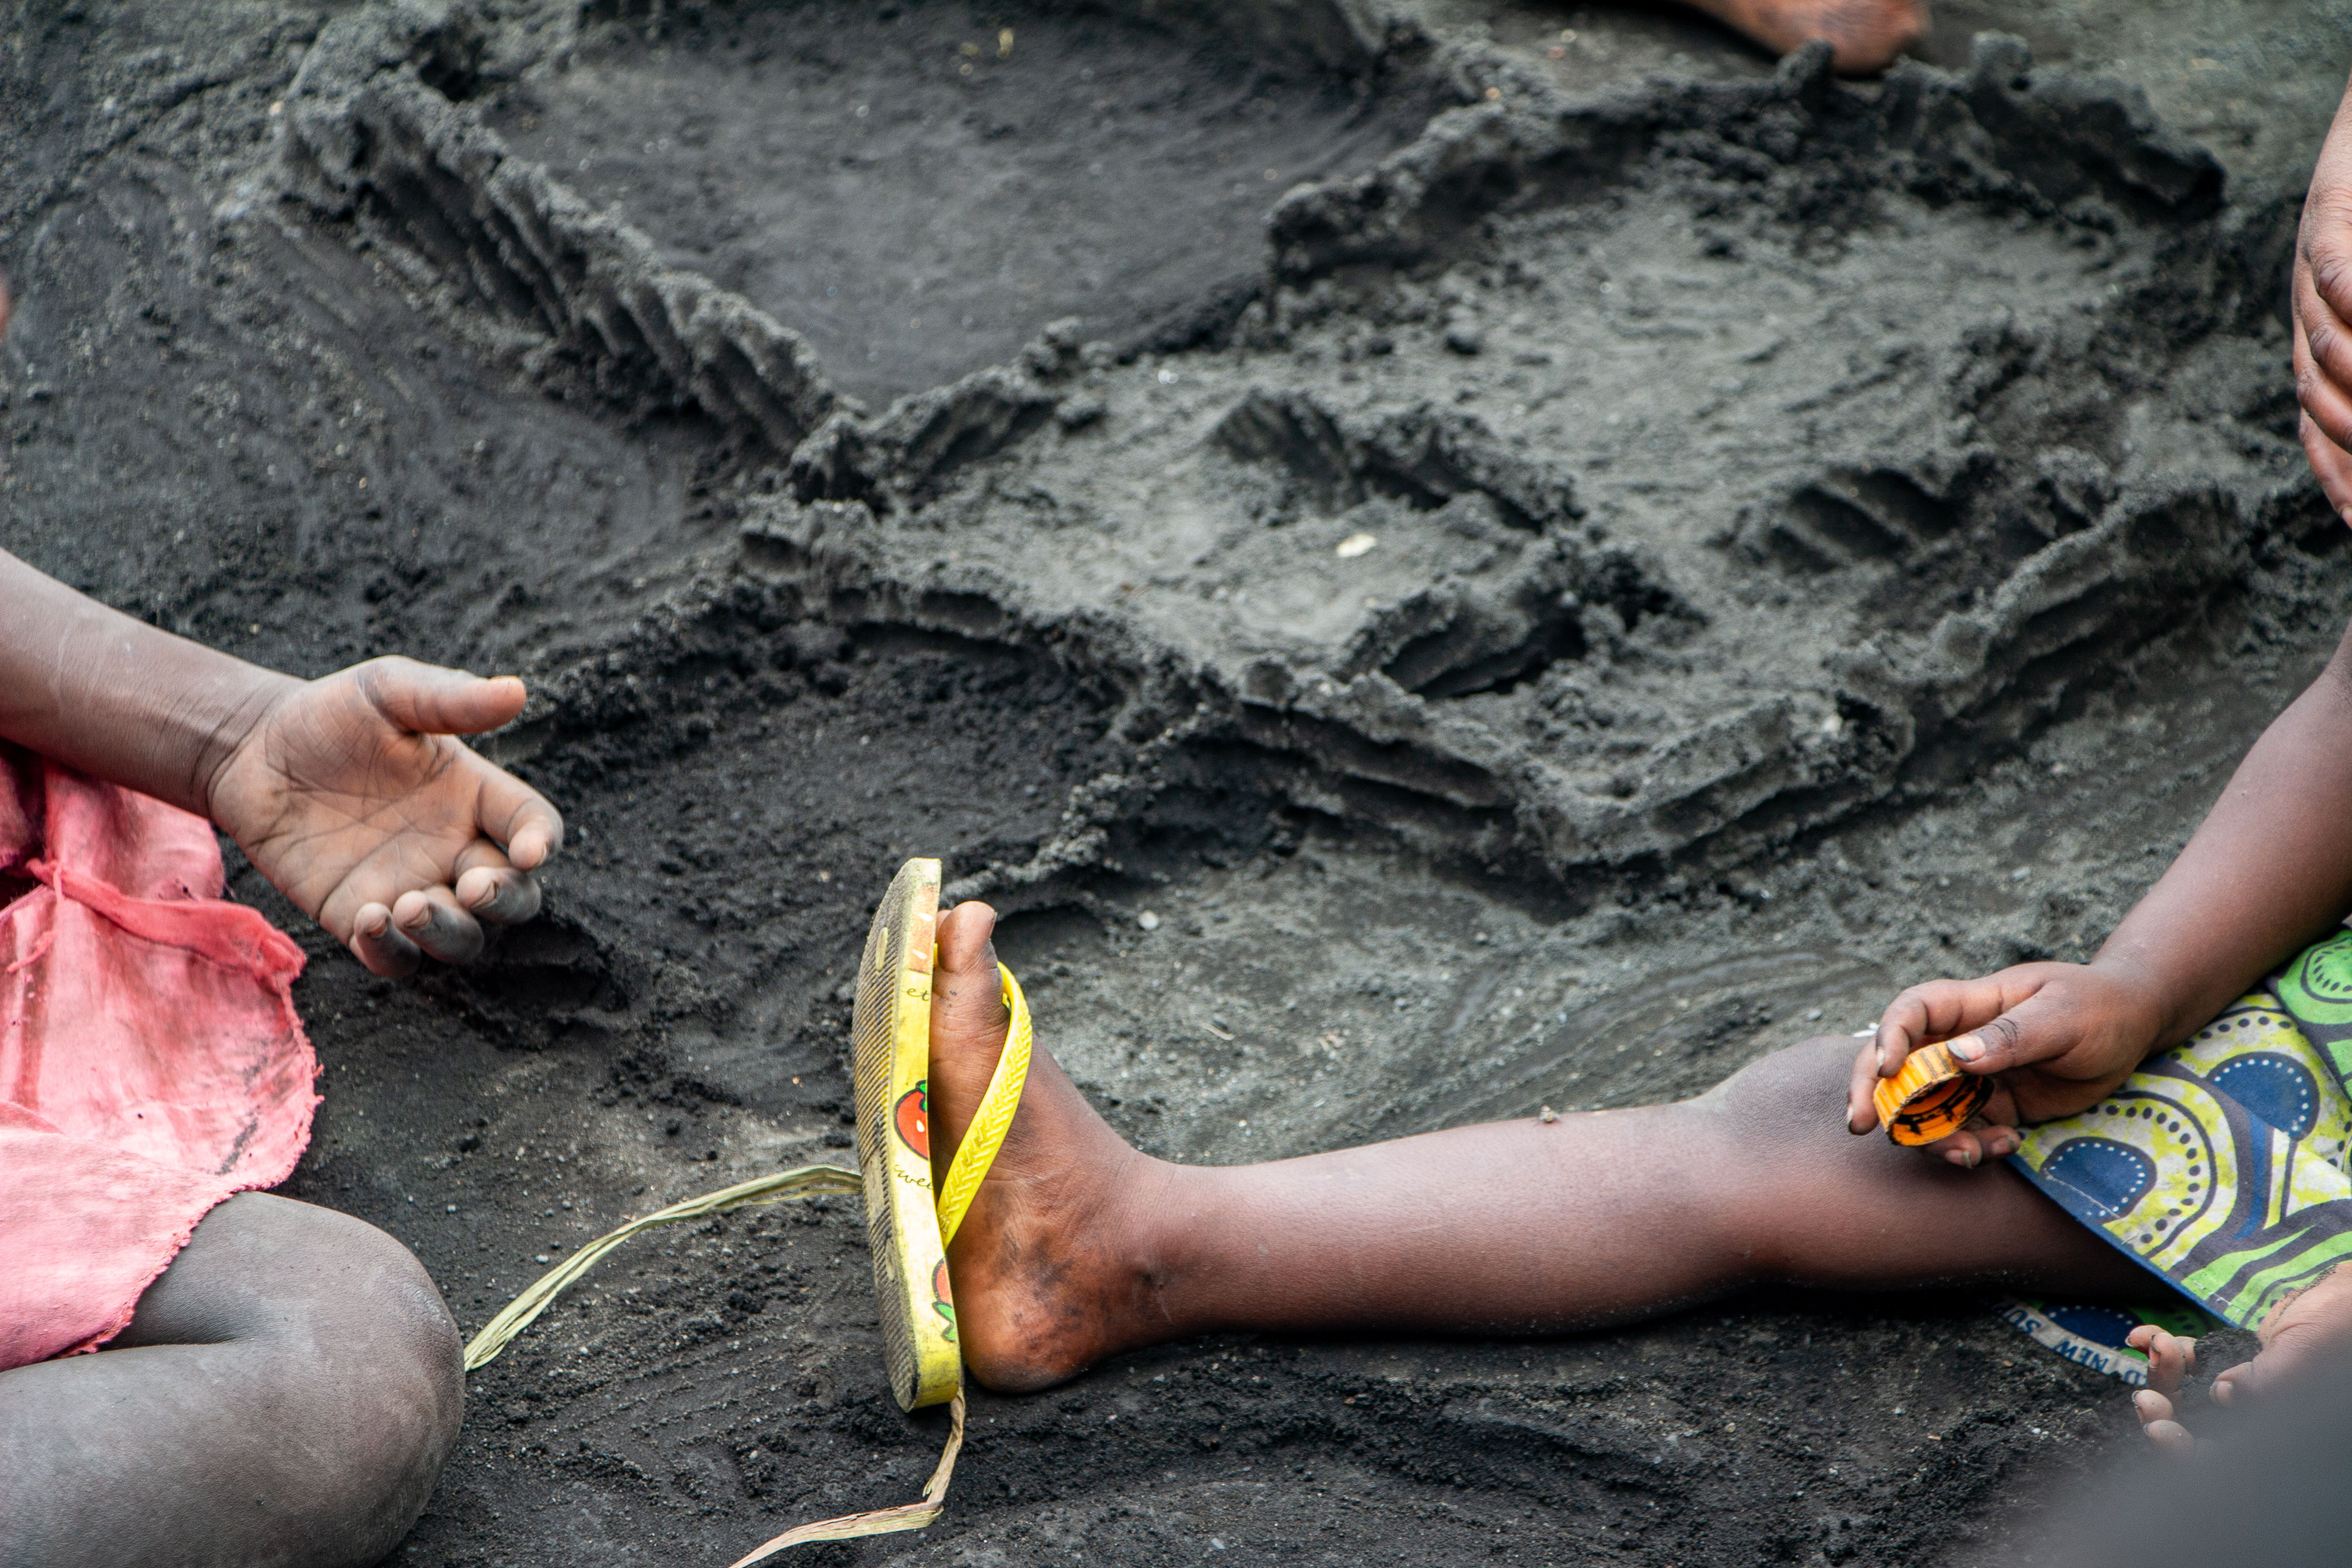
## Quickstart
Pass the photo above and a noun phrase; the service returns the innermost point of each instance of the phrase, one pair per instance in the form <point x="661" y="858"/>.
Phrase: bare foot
<point x="1864" y="36"/>
<point x="2304" y="1331"/>
<point x="1048" y="1276"/>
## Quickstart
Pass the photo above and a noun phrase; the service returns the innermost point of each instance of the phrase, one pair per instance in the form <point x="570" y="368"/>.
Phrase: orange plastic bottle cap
<point x="1929" y="1098"/>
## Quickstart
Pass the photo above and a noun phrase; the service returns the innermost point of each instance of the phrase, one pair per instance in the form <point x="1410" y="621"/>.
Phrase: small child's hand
<point x="354" y="796"/>
<point x="2056" y="1038"/>
<point x="2309" y="1329"/>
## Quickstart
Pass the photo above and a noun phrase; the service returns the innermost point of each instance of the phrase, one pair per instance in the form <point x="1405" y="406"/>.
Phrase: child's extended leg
<point x="1078" y="1246"/>
<point x="284" y="1396"/>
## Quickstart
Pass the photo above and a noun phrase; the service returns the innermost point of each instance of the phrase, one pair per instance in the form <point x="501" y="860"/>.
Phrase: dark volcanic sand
<point x="1823" y="570"/>
<point x="1081" y="168"/>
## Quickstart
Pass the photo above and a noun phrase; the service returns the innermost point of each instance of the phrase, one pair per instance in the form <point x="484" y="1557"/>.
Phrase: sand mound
<point x="1571" y="583"/>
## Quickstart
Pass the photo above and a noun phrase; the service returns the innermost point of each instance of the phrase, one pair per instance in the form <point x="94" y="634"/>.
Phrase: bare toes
<point x="967" y="998"/>
<point x="967" y="1023"/>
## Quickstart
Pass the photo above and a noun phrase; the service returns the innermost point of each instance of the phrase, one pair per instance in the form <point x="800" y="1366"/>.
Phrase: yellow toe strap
<point x="978" y="1151"/>
<point x="994" y="1118"/>
<point x="973" y="1158"/>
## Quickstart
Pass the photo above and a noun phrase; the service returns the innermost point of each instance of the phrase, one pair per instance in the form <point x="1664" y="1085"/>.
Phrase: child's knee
<point x="393" y="1371"/>
<point x="391" y="1319"/>
<point x="372" y="1360"/>
<point x="1795" y="1096"/>
<point x="297" y="1355"/>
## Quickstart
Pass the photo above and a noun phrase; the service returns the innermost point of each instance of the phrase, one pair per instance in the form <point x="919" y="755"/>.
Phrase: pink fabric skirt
<point x="151" y="1059"/>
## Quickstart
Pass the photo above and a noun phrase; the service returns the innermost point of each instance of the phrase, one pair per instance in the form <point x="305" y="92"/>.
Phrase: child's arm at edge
<point x="2269" y="871"/>
<point x="350" y="792"/>
<point x="97" y="691"/>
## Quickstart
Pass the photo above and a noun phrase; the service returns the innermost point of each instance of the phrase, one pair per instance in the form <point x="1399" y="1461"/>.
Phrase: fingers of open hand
<point x="2322" y="353"/>
<point x="440" y="922"/>
<point x="2170" y="1357"/>
<point x="513" y="814"/>
<point x="2156" y="1421"/>
<point x="502" y="895"/>
<point x="490" y="888"/>
<point x="2330" y="464"/>
<point x="376" y="942"/>
<point x="422" y="906"/>
<point x="433" y="920"/>
<point x="427" y="699"/>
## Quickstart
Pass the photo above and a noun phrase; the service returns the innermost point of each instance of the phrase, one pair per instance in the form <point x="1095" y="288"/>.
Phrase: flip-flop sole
<point x="891" y="1053"/>
<point x="905" y="1223"/>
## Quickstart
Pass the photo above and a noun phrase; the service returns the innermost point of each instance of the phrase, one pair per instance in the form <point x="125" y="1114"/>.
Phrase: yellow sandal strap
<point x="994" y="1120"/>
<point x="801" y="1181"/>
<point x="881" y="1520"/>
<point x="965" y="1172"/>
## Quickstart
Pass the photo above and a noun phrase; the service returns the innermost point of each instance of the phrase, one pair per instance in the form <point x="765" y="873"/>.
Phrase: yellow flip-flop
<point x="907" y="1229"/>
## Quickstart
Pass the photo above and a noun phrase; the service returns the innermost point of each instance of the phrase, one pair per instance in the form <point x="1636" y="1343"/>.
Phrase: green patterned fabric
<point x="2222" y="1164"/>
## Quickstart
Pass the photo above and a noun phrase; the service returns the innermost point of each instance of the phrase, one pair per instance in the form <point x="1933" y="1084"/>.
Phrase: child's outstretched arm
<point x="2274" y="876"/>
<point x="349" y="793"/>
<point x="2268" y="872"/>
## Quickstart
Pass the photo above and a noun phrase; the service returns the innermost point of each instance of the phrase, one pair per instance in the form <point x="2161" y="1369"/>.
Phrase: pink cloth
<point x="151" y="1059"/>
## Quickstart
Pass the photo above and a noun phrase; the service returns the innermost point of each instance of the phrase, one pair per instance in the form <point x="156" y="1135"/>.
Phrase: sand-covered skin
<point x="1818" y="544"/>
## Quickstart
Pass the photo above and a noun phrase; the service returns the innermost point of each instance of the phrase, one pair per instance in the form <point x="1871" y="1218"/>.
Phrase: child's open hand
<point x="2321" y="297"/>
<point x="2307" y="1330"/>
<point x="2056" y="1038"/>
<point x="351" y="795"/>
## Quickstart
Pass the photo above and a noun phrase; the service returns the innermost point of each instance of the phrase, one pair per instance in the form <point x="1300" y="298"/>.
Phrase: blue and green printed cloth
<point x="2224" y="1164"/>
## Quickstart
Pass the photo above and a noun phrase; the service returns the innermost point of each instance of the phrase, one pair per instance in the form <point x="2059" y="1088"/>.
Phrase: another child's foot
<point x="1048" y="1277"/>
<point x="1864" y="36"/>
